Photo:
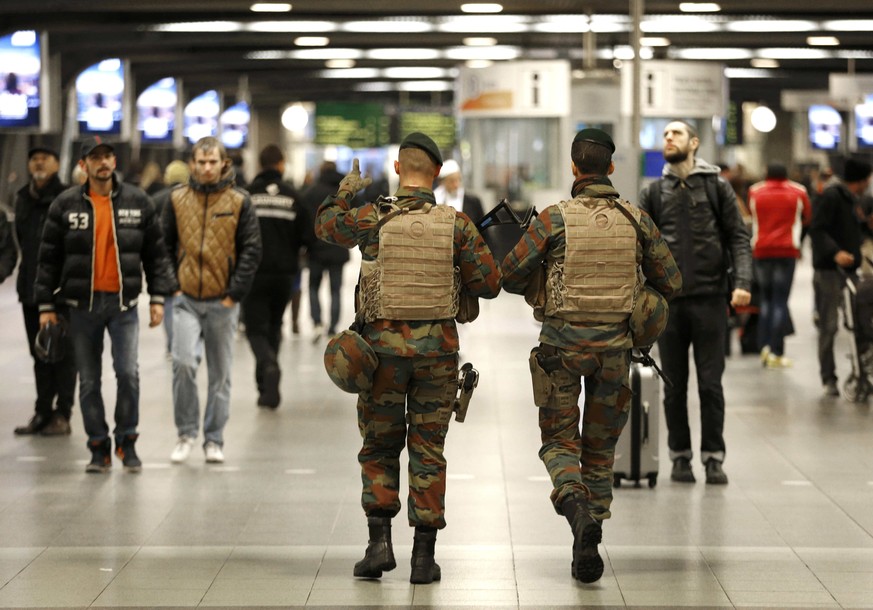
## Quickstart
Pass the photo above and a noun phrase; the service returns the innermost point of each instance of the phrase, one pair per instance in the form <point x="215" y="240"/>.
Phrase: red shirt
<point x="780" y="208"/>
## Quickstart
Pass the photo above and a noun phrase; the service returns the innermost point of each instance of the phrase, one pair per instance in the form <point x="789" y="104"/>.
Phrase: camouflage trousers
<point x="410" y="404"/>
<point x="580" y="462"/>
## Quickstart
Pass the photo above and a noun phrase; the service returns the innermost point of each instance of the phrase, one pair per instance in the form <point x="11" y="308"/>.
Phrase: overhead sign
<point x="439" y="126"/>
<point x="351" y="124"/>
<point x="515" y="89"/>
<point x="20" y="72"/>
<point x="676" y="89"/>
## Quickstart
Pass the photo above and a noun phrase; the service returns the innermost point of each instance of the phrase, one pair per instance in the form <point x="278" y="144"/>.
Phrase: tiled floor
<point x="279" y="524"/>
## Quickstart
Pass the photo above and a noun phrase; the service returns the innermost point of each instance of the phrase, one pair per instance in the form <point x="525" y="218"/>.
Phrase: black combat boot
<point x="424" y="569"/>
<point x="379" y="556"/>
<point x="126" y="451"/>
<point x="587" y="564"/>
<point x="101" y="456"/>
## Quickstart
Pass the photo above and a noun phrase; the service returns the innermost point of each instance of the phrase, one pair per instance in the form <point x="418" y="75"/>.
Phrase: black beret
<point x="42" y="149"/>
<point x="595" y="136"/>
<point x="91" y="144"/>
<point x="419" y="140"/>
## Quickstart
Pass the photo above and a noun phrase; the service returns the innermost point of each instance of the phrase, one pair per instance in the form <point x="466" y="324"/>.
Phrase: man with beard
<point x="54" y="380"/>
<point x="697" y="214"/>
<point x="98" y="241"/>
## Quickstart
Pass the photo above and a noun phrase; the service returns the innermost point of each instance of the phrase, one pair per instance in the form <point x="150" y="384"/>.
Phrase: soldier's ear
<point x="611" y="168"/>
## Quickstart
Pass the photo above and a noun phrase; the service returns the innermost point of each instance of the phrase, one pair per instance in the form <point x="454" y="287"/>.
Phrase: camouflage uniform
<point x="414" y="385"/>
<point x="581" y="463"/>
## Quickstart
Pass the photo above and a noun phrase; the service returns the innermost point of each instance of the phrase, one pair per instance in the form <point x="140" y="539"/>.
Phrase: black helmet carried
<point x="49" y="343"/>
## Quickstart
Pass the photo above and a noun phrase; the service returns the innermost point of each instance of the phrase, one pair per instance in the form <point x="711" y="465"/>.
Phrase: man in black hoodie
<point x="282" y="235"/>
<point x="836" y="244"/>
<point x="323" y="257"/>
<point x="54" y="380"/>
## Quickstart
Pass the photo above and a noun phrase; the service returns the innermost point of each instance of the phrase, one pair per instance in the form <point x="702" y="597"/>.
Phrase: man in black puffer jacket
<point x="54" y="380"/>
<point x="282" y="234"/>
<point x="98" y="240"/>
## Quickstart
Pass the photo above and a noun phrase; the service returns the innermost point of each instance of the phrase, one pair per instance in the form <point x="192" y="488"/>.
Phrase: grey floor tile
<point x="281" y="525"/>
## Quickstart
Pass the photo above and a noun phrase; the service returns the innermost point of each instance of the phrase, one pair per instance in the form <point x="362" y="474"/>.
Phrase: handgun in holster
<point x="468" y="379"/>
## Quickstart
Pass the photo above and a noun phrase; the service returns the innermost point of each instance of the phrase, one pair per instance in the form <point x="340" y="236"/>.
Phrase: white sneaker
<point x="765" y="354"/>
<point x="317" y="333"/>
<point x="214" y="455"/>
<point x="779" y="362"/>
<point x="182" y="449"/>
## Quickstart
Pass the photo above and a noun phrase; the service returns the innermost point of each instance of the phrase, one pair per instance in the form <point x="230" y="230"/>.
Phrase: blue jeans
<point x="774" y="278"/>
<point x="335" y="274"/>
<point x="216" y="324"/>
<point x="87" y="329"/>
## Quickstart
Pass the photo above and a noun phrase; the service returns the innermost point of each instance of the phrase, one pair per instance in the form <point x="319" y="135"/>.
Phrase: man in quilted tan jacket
<point x="213" y="236"/>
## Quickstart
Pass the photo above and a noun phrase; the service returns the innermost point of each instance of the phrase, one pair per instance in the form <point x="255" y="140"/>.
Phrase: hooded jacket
<point x="687" y="220"/>
<point x="213" y="237"/>
<point x="835" y="226"/>
<point x="66" y="256"/>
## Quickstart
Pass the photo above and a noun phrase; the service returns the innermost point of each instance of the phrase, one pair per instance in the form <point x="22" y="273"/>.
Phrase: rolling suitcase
<point x="636" y="454"/>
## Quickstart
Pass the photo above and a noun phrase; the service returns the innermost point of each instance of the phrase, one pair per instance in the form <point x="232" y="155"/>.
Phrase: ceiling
<point x="277" y="72"/>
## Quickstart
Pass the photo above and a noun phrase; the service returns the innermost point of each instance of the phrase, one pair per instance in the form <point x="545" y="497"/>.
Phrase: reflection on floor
<point x="279" y="524"/>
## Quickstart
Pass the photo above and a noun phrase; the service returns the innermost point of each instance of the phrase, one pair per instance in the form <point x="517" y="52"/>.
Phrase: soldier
<point x="405" y="361"/>
<point x="582" y="263"/>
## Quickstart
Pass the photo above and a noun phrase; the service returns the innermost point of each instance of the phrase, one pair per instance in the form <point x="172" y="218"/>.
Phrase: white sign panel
<point x="676" y="89"/>
<point x="515" y="89"/>
<point x="847" y="90"/>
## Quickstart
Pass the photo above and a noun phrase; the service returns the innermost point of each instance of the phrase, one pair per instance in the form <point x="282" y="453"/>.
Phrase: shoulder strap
<point x="712" y="195"/>
<point x="418" y="205"/>
<point x="655" y="198"/>
<point x="632" y="220"/>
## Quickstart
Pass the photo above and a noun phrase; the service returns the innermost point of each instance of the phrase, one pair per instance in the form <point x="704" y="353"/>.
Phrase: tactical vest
<point x="413" y="277"/>
<point x="597" y="280"/>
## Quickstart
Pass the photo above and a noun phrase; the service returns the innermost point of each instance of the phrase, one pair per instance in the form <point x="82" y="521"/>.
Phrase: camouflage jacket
<point x="338" y="223"/>
<point x="545" y="240"/>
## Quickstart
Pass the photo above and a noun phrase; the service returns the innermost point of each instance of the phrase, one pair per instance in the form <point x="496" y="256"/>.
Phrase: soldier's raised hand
<point x="353" y="182"/>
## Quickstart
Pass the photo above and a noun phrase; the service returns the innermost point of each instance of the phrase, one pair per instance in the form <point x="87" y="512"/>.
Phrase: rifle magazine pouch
<point x="566" y="389"/>
<point x="542" y="385"/>
<point x="468" y="308"/>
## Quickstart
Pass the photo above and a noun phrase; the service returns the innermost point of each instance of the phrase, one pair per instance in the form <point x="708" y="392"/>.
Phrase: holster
<point x="554" y="387"/>
<point x="468" y="379"/>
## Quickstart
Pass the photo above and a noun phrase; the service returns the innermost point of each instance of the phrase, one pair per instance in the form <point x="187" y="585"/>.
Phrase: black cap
<point x="419" y="140"/>
<point x="596" y="136"/>
<point x="89" y="145"/>
<point x="42" y="149"/>
<point x="856" y="170"/>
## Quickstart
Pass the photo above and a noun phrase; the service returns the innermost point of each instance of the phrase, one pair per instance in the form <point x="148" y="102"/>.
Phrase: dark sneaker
<point x="58" y="426"/>
<point x="101" y="456"/>
<point x="682" y="471"/>
<point x="34" y="426"/>
<point x="714" y="473"/>
<point x="126" y="451"/>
